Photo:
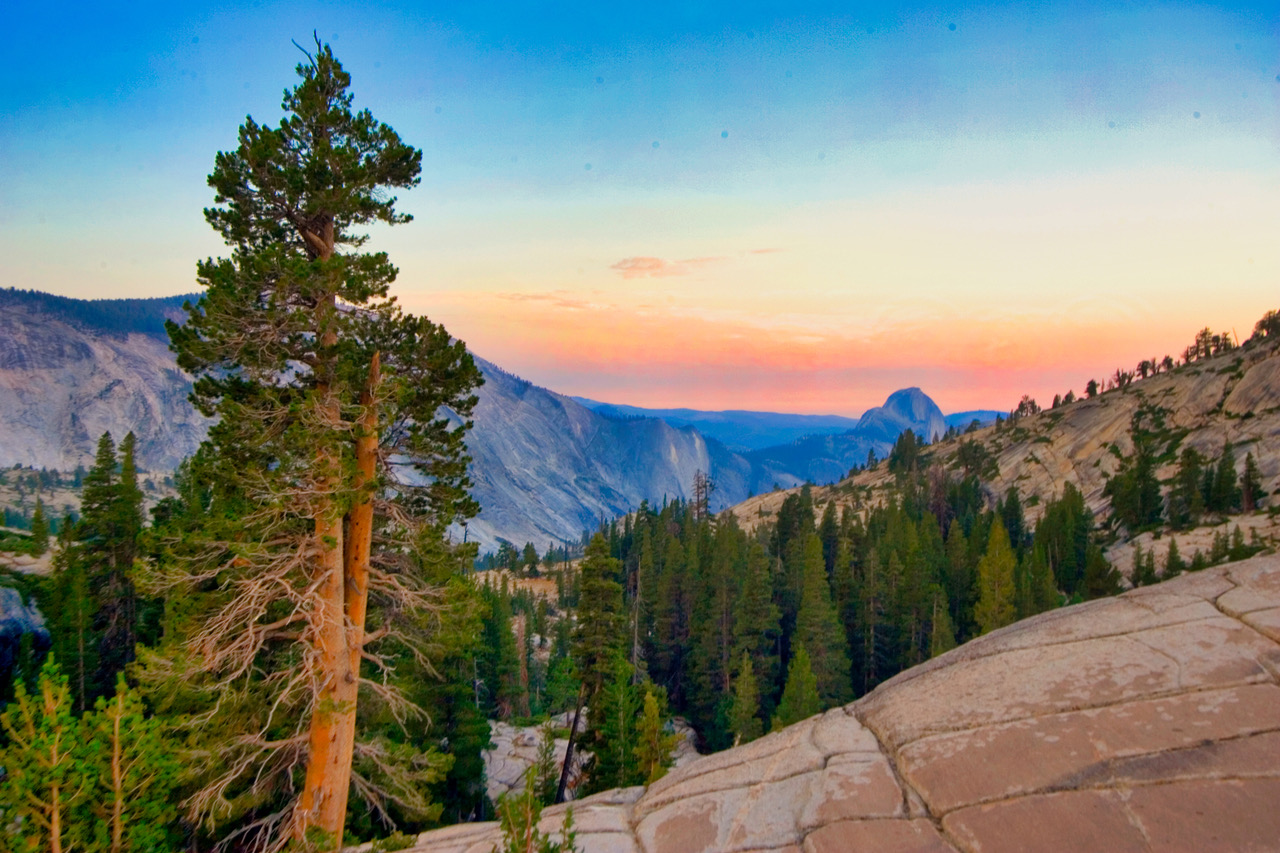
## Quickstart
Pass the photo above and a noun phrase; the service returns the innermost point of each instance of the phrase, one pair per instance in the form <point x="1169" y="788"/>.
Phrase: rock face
<point x="515" y="750"/>
<point x="18" y="618"/>
<point x="738" y="430"/>
<point x="1150" y="721"/>
<point x="546" y="467"/>
<point x="63" y="384"/>
<point x="1234" y="396"/>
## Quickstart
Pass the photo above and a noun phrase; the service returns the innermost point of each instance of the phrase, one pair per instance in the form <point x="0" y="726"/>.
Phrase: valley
<point x="545" y="467"/>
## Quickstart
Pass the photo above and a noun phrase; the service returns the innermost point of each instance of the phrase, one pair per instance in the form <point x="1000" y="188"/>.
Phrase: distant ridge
<point x="745" y="431"/>
<point x="110" y="316"/>
<point x="984" y="417"/>
<point x="738" y="429"/>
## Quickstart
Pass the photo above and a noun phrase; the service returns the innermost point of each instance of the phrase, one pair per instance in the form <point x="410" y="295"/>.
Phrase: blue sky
<point x="706" y="204"/>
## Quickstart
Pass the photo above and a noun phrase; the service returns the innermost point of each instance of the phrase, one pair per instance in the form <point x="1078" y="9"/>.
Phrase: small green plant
<point x="395" y="841"/>
<point x="518" y="815"/>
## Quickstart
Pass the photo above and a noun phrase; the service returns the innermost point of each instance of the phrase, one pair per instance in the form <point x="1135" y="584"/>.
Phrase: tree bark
<point x="343" y="597"/>
<point x="568" y="751"/>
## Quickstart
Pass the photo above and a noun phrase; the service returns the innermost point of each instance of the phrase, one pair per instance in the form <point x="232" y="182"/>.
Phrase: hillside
<point x="1234" y="396"/>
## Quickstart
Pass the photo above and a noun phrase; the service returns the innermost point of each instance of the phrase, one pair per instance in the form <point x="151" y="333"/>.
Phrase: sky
<point x="787" y="207"/>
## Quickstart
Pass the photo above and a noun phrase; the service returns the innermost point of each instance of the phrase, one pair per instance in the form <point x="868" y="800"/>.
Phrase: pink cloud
<point x="643" y="266"/>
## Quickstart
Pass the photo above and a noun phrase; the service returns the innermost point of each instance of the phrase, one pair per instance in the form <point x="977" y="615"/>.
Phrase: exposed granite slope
<point x="62" y="386"/>
<point x="1146" y="722"/>
<point x="1234" y="396"/>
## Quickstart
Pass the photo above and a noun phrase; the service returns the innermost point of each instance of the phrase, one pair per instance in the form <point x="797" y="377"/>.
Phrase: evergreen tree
<point x="1044" y="593"/>
<point x="111" y="527"/>
<point x="519" y="815"/>
<point x="995" y="607"/>
<point x="959" y="580"/>
<point x="72" y="613"/>
<point x="135" y="771"/>
<point x="1134" y="490"/>
<point x="671" y="622"/>
<point x="544" y="771"/>
<point x="1063" y="533"/>
<point x="1186" y="495"/>
<point x="744" y="717"/>
<point x="655" y="746"/>
<point x="529" y="559"/>
<point x="942" y="636"/>
<point x="316" y="379"/>
<point x="1225" y="496"/>
<point x="46" y="780"/>
<point x="40" y="529"/>
<point x="1173" y="562"/>
<point x="756" y="629"/>
<point x="819" y="631"/>
<point x="1100" y="578"/>
<point x="613" y="737"/>
<point x="598" y="635"/>
<point x="498" y="659"/>
<point x="800" y="698"/>
<point x="713" y="643"/>
<point x="1014" y="519"/>
<point x="1144" y="567"/>
<point x="597" y="638"/>
<point x="1251" y="493"/>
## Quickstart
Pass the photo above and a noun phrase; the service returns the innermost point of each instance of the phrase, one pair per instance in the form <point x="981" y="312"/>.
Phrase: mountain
<point x="825" y="459"/>
<point x="72" y="369"/>
<point x="545" y="466"/>
<point x="738" y="430"/>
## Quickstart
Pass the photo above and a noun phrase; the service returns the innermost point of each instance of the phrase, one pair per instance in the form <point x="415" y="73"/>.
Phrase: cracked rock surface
<point x="1146" y="722"/>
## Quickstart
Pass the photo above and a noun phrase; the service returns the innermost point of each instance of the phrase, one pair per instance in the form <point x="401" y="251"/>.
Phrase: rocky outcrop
<point x="547" y="467"/>
<point x="515" y="750"/>
<point x="1234" y="396"/>
<point x="1150" y="721"/>
<point x="18" y="618"/>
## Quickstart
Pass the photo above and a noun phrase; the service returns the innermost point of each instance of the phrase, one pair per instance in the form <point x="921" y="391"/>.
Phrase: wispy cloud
<point x="767" y="251"/>
<point x="643" y="266"/>
<point x="554" y="298"/>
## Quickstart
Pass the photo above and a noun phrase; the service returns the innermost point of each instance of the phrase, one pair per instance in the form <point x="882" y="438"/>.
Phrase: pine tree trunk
<point x="343" y="599"/>
<point x="323" y="802"/>
<point x="568" y="750"/>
